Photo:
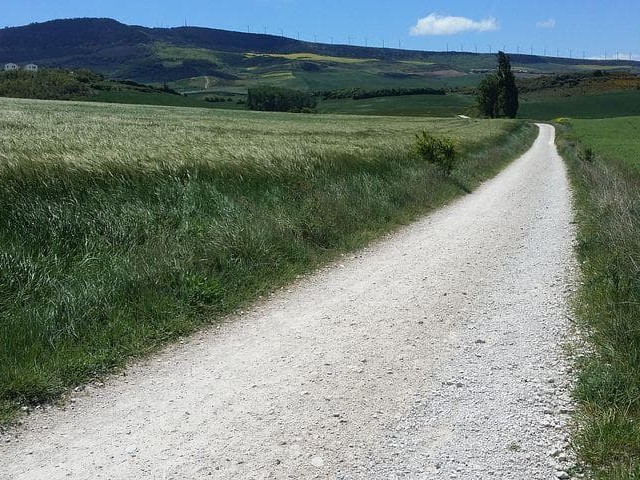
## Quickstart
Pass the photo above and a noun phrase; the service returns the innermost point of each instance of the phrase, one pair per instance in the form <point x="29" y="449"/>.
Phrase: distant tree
<point x="507" y="89"/>
<point x="358" y="93"/>
<point x="277" y="99"/>
<point x="488" y="96"/>
<point x="497" y="93"/>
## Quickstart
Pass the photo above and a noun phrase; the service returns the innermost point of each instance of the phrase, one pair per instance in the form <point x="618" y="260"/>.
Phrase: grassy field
<point x="312" y="57"/>
<point x="604" y="161"/>
<point x="122" y="227"/>
<point x="614" y="104"/>
<point x="347" y="77"/>
<point x="132" y="97"/>
<point x="539" y="106"/>
<point x="174" y="53"/>
<point x="415" y="105"/>
<point x="616" y="139"/>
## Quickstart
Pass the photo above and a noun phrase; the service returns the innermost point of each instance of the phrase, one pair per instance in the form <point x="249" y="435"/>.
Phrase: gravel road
<point x="435" y="353"/>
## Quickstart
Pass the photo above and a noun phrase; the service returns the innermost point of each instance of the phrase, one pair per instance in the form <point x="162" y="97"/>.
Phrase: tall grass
<point x="608" y="213"/>
<point x="124" y="227"/>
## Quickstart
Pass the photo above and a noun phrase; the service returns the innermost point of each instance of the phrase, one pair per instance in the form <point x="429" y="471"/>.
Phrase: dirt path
<point x="435" y="353"/>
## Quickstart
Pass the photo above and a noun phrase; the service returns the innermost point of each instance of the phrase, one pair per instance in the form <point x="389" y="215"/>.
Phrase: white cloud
<point x="434" y="24"/>
<point x="549" y="23"/>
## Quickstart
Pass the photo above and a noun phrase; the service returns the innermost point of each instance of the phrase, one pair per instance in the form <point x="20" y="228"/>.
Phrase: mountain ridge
<point x="178" y="53"/>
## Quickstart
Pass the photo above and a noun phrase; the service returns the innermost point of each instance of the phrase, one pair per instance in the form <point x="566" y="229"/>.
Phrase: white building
<point x="32" y="67"/>
<point x="10" y="66"/>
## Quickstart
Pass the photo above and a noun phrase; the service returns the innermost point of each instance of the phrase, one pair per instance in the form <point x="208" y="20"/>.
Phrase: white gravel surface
<point x="435" y="353"/>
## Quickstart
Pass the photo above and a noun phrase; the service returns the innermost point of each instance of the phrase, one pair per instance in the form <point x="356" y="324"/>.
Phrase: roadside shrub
<point x="438" y="150"/>
<point x="586" y="154"/>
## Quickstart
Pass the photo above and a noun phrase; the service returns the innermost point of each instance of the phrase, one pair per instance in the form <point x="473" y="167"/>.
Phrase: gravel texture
<point x="435" y="353"/>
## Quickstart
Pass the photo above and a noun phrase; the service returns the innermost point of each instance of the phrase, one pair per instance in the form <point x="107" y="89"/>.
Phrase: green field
<point x="604" y="162"/>
<point x="362" y="77"/>
<point x="122" y="227"/>
<point x="614" y="138"/>
<point x="611" y="104"/>
<point x="614" y="104"/>
<point x="132" y="97"/>
<point x="416" y="105"/>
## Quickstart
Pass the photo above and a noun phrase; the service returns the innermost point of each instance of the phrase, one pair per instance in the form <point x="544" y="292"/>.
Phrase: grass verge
<point x="122" y="227"/>
<point x="607" y="199"/>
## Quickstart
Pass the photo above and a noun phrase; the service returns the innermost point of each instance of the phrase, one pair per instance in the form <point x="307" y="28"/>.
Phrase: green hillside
<point x="199" y="60"/>
<point x="215" y="68"/>
<point x="57" y="84"/>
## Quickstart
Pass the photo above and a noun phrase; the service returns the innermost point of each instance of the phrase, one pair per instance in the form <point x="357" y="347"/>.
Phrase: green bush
<point x="438" y="150"/>
<point x="587" y="154"/>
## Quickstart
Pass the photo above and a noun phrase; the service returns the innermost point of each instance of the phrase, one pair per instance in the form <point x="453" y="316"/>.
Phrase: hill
<point x="194" y="59"/>
<point x="85" y="85"/>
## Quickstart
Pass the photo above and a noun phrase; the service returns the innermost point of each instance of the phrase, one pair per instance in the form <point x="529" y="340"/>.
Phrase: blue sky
<point x="569" y="27"/>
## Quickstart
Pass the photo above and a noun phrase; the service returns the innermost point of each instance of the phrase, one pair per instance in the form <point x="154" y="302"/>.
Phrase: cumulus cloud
<point x="548" y="23"/>
<point x="434" y="24"/>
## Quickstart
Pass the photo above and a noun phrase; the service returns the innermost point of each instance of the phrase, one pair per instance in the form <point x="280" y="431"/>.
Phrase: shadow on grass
<point x="460" y="184"/>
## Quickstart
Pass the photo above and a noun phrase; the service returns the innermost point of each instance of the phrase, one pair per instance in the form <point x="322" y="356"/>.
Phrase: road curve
<point x="434" y="353"/>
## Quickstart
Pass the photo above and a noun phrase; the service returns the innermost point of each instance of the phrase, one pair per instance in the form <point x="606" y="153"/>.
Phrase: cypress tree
<point x="507" y="89"/>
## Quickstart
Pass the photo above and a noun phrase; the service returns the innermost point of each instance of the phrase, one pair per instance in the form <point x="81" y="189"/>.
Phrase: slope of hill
<point x="204" y="59"/>
<point x="84" y="85"/>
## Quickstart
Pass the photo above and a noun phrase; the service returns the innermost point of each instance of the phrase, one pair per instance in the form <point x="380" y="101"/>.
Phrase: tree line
<point x="360" y="93"/>
<point x="61" y="84"/>
<point x="277" y="99"/>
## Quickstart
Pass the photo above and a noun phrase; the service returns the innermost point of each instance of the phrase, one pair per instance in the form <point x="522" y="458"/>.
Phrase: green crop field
<point x="415" y="105"/>
<point x="614" y="138"/>
<point x="604" y="162"/>
<point x="145" y="98"/>
<point x="332" y="79"/>
<point x="122" y="226"/>
<point x="614" y="104"/>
